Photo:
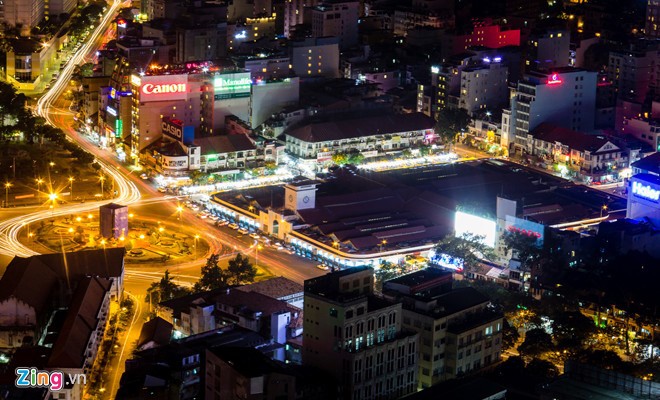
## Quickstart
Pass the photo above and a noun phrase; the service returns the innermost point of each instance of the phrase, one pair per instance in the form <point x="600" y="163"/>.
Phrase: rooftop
<point x="358" y="127"/>
<point x="223" y="144"/>
<point x="649" y="164"/>
<point x="156" y="330"/>
<point x="275" y="287"/>
<point x="575" y="140"/>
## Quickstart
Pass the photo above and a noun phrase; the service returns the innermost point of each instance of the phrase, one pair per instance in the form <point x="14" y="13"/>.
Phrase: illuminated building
<point x="484" y="33"/>
<point x="652" y="18"/>
<point x="250" y="30"/>
<point x="593" y="158"/>
<point x="565" y="96"/>
<point x="315" y="57"/>
<point x="265" y="67"/>
<point x="458" y="333"/>
<point x="337" y="18"/>
<point x="484" y="87"/>
<point x="22" y="12"/>
<point x="407" y="20"/>
<point x="644" y="198"/>
<point x="357" y="337"/>
<point x="29" y="60"/>
<point x="316" y="142"/>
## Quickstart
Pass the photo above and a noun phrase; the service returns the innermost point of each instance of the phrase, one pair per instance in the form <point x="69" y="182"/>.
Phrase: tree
<point x="270" y="167"/>
<point x="165" y="289"/>
<point x="340" y="158"/>
<point x="387" y="271"/>
<point x="212" y="276"/>
<point x="450" y="124"/>
<point x="240" y="270"/>
<point x="537" y="341"/>
<point x="541" y="369"/>
<point x="571" y="329"/>
<point x="526" y="248"/>
<point x="510" y="335"/>
<point x="468" y="247"/>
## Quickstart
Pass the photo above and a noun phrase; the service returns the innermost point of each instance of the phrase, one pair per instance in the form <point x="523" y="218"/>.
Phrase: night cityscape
<point x="330" y="199"/>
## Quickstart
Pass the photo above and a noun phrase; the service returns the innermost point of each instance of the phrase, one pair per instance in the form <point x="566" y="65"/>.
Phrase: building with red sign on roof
<point x="566" y="96"/>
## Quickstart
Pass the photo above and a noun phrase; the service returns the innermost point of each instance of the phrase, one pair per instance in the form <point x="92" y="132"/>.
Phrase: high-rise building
<point x="336" y="18"/>
<point x="484" y="87"/>
<point x="635" y="73"/>
<point x="293" y="13"/>
<point x="458" y="332"/>
<point x="565" y="96"/>
<point x="313" y="57"/>
<point x="22" y="12"/>
<point x="357" y="337"/>
<point x="652" y="18"/>
<point x="54" y="8"/>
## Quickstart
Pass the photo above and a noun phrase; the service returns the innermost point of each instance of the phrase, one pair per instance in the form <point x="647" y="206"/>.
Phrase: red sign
<point x="149" y="88"/>
<point x="525" y="232"/>
<point x="554" y="80"/>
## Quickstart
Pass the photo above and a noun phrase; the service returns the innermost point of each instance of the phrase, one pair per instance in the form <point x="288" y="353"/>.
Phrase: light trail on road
<point x="128" y="192"/>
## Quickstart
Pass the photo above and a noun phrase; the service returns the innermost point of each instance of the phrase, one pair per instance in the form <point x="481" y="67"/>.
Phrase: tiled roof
<point x="359" y="127"/>
<point x="156" y="330"/>
<point x="275" y="287"/>
<point x="223" y="144"/>
<point x="71" y="345"/>
<point x="32" y="279"/>
<point x="573" y="139"/>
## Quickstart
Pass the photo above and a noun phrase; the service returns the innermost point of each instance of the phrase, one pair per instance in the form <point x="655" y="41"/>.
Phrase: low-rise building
<point x="592" y="157"/>
<point x="370" y="135"/>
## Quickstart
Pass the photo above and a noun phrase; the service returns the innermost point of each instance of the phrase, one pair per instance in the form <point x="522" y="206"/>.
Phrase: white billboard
<point x="162" y="87"/>
<point x="468" y="223"/>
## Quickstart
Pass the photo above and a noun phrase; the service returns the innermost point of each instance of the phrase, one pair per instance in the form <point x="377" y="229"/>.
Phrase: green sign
<point x="118" y="128"/>
<point x="228" y="86"/>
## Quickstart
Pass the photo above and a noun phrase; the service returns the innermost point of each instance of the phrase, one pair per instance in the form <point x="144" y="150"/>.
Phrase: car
<point x="243" y="231"/>
<point x="232" y="226"/>
<point x="202" y="216"/>
<point x="254" y="235"/>
<point x="323" y="267"/>
<point x="221" y="223"/>
<point x="144" y="176"/>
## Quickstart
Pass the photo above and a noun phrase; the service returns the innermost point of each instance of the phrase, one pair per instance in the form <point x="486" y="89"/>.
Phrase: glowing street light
<point x="71" y="179"/>
<point x="102" y="179"/>
<point x="39" y="182"/>
<point x="7" y="186"/>
<point x="196" y="240"/>
<point x="603" y="208"/>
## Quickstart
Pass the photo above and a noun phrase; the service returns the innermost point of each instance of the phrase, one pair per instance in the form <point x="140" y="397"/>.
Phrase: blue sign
<point x="645" y="191"/>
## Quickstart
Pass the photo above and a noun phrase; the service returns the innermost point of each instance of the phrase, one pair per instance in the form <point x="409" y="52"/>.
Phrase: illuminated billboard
<point x="161" y="87"/>
<point x="525" y="227"/>
<point x="175" y="129"/>
<point x="468" y="223"/>
<point x="230" y="86"/>
<point x="446" y="261"/>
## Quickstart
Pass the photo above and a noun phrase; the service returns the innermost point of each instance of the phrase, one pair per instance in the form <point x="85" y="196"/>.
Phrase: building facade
<point x="357" y="337"/>
<point x="338" y="18"/>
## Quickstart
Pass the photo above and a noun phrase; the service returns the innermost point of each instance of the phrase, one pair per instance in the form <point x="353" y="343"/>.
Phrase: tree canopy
<point x="165" y="289"/>
<point x="468" y="247"/>
<point x="212" y="276"/>
<point x="240" y="270"/>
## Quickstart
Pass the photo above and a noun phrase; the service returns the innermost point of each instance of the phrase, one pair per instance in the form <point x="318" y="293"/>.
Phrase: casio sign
<point x="645" y="191"/>
<point x="172" y="130"/>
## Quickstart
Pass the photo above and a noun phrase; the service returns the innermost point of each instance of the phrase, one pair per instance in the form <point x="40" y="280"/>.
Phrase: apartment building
<point x="458" y="332"/>
<point x="357" y="337"/>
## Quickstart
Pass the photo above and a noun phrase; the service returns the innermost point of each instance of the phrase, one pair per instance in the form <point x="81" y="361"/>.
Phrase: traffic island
<point x="146" y="242"/>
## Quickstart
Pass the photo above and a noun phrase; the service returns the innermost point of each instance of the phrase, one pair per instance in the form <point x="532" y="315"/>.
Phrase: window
<point x="349" y="314"/>
<point x="333" y="312"/>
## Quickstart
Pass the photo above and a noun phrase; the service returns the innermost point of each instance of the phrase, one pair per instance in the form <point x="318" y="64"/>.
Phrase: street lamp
<point x="382" y="244"/>
<point x="39" y="182"/>
<point x="179" y="210"/>
<point x="7" y="186"/>
<point x="256" y="254"/>
<point x="102" y="179"/>
<point x="71" y="186"/>
<point x="196" y="241"/>
<point x="603" y="208"/>
<point x="52" y="197"/>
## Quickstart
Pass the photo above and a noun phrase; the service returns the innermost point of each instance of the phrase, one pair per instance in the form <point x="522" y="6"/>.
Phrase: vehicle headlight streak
<point x="127" y="190"/>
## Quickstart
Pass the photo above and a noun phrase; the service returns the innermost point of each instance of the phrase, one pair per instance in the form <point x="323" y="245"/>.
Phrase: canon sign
<point x="150" y="88"/>
<point x="172" y="130"/>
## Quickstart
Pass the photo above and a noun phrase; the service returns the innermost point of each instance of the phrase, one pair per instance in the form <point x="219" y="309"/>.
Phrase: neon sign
<point x="435" y="70"/>
<point x="526" y="232"/>
<point x="240" y="35"/>
<point x="111" y="111"/>
<point x="554" y="80"/>
<point x="232" y="85"/>
<point x="645" y="191"/>
<point x="135" y="80"/>
<point x="150" y="88"/>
